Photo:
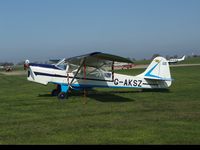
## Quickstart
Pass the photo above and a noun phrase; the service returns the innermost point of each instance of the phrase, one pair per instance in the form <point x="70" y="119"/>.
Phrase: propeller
<point x="26" y="64"/>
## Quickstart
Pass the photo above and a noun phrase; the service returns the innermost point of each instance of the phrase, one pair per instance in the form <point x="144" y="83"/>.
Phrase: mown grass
<point x="29" y="115"/>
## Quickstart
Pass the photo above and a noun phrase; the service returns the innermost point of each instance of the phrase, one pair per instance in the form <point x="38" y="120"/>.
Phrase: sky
<point x="50" y="29"/>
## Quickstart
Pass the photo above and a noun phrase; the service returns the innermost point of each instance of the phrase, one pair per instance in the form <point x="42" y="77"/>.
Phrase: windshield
<point x="62" y="65"/>
<point x="93" y="72"/>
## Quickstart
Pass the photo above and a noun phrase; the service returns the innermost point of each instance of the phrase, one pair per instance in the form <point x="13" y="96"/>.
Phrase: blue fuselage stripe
<point x="44" y="66"/>
<point x="150" y="71"/>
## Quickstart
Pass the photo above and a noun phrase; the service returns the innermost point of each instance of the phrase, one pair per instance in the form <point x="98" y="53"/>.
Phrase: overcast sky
<point x="44" y="29"/>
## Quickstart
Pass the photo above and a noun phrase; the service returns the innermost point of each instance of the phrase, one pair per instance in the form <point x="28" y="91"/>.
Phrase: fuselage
<point x="45" y="74"/>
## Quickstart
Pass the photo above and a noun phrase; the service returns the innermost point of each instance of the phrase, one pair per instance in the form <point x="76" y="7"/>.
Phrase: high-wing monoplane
<point x="97" y="70"/>
<point x="176" y="60"/>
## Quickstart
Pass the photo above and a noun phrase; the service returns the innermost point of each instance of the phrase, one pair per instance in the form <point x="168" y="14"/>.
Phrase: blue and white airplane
<point x="97" y="70"/>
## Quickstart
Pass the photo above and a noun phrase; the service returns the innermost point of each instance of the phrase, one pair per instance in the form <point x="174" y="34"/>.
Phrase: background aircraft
<point x="176" y="60"/>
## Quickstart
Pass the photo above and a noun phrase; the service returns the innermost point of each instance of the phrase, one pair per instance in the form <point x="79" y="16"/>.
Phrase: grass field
<point x="29" y="115"/>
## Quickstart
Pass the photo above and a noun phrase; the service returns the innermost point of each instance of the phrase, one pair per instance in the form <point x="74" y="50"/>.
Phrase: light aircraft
<point x="175" y="60"/>
<point x="97" y="70"/>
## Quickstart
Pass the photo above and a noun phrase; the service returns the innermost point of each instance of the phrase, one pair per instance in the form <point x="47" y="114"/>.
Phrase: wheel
<point x="55" y="92"/>
<point x="62" y="95"/>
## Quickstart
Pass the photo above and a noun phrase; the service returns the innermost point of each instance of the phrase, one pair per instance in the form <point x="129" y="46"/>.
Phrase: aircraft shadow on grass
<point x="108" y="96"/>
<point x="98" y="96"/>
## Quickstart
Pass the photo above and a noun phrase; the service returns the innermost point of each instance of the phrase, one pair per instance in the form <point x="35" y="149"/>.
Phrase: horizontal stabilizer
<point x="160" y="79"/>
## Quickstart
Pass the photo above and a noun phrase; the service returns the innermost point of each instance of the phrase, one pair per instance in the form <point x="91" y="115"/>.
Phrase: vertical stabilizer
<point x="158" y="70"/>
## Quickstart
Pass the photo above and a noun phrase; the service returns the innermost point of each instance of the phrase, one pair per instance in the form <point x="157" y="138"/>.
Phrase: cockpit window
<point x="62" y="66"/>
<point x="96" y="70"/>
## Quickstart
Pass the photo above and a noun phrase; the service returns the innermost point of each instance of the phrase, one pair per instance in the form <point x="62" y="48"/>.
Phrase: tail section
<point x="183" y="58"/>
<point x="158" y="71"/>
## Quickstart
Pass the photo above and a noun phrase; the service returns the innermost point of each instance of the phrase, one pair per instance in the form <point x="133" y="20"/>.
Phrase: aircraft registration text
<point x="129" y="82"/>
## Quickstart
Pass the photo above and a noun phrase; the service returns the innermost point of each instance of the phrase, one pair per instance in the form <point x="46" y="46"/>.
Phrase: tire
<point x="62" y="95"/>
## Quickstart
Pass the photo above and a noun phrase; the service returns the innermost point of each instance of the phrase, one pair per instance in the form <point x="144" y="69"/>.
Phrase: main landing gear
<point x="61" y="91"/>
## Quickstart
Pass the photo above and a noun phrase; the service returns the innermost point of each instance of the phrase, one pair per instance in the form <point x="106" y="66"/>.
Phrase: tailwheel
<point x="62" y="95"/>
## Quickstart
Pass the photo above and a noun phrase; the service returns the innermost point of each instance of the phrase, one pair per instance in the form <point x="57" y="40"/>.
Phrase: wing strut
<point x="113" y="71"/>
<point x="82" y="63"/>
<point x="85" y="92"/>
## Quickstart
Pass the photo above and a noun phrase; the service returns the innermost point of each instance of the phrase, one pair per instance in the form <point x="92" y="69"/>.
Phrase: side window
<point x="94" y="72"/>
<point x="62" y="66"/>
<point x="108" y="75"/>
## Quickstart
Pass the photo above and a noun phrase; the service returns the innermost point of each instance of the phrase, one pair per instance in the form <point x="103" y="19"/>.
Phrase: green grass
<point x="29" y="115"/>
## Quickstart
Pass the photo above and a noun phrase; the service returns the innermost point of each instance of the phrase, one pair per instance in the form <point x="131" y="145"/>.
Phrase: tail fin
<point x="158" y="70"/>
<point x="183" y="58"/>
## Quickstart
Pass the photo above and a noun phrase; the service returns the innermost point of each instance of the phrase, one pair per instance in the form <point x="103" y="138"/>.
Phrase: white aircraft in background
<point x="97" y="70"/>
<point x="175" y="60"/>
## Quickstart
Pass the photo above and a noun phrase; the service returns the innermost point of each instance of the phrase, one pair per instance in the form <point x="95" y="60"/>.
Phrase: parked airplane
<point x="97" y="70"/>
<point x="6" y="68"/>
<point x="175" y="60"/>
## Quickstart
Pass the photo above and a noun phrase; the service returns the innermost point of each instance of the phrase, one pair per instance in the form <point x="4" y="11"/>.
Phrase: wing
<point x="96" y="59"/>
